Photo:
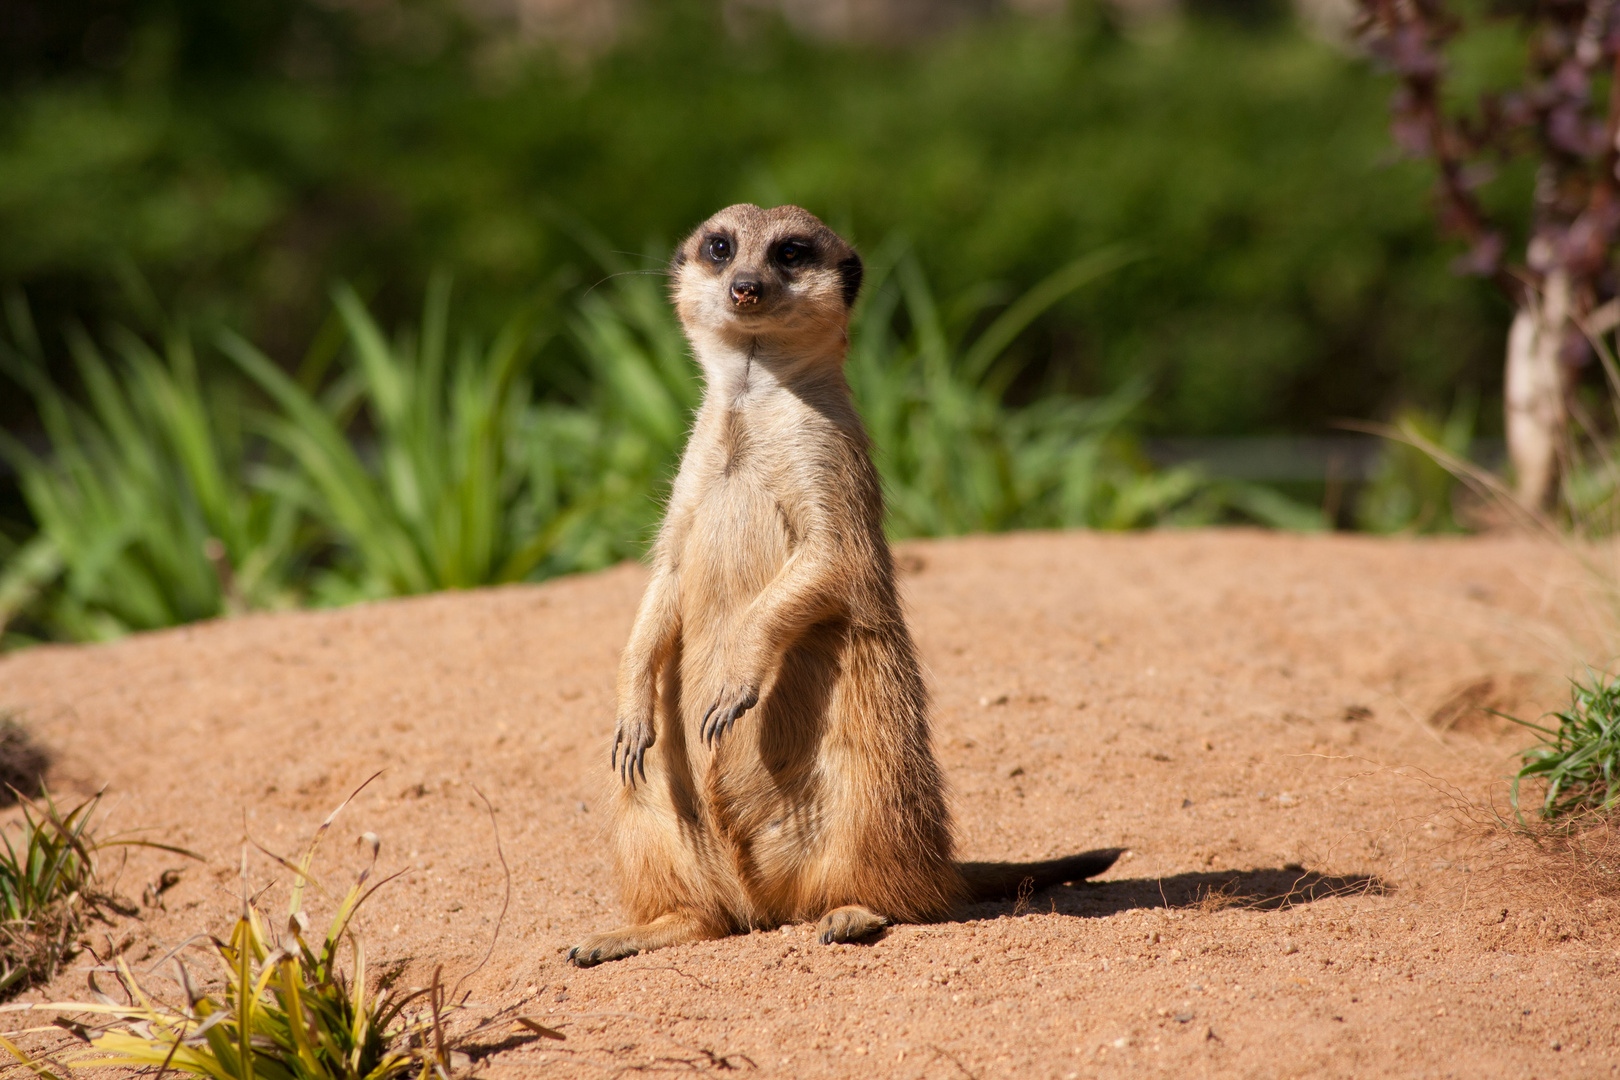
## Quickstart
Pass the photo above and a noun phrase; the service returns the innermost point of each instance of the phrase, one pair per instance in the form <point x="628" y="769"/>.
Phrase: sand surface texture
<point x="1273" y="725"/>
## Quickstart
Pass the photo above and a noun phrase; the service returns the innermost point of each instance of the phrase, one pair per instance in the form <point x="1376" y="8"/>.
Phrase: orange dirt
<point x="1255" y="716"/>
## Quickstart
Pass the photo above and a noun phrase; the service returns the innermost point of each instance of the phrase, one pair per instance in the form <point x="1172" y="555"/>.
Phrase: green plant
<point x="440" y="501"/>
<point x="955" y="458"/>
<point x="418" y="468"/>
<point x="1579" y="760"/>
<point x="611" y="455"/>
<point x="287" y="1009"/>
<point x="144" y="515"/>
<point x="46" y="867"/>
<point x="47" y="876"/>
<point x="1413" y="486"/>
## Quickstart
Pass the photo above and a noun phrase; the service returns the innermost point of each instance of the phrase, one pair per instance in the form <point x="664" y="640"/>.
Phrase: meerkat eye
<point x="792" y="252"/>
<point x="718" y="248"/>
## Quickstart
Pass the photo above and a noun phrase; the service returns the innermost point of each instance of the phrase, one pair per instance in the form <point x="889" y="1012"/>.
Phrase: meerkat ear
<point x="851" y="271"/>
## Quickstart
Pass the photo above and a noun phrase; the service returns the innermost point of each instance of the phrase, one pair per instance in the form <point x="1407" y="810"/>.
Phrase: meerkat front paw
<point x="734" y="700"/>
<point x="631" y="739"/>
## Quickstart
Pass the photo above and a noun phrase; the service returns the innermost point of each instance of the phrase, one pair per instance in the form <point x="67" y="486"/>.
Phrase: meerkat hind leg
<point x="852" y="922"/>
<point x="671" y="928"/>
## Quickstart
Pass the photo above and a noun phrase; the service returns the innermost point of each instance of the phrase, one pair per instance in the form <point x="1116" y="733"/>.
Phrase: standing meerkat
<point x="773" y="752"/>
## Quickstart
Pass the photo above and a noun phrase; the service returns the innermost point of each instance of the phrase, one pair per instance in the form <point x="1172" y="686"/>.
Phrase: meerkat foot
<point x="631" y="739"/>
<point x="732" y="703"/>
<point x="669" y="929"/>
<point x="852" y="922"/>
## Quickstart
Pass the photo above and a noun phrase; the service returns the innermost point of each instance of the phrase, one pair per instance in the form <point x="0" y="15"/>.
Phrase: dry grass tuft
<point x="1540" y="872"/>
<point x="1219" y="898"/>
<point x="1574" y="861"/>
<point x="286" y="1008"/>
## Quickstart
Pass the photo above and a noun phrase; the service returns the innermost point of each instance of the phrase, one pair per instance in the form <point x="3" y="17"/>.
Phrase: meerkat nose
<point x="744" y="293"/>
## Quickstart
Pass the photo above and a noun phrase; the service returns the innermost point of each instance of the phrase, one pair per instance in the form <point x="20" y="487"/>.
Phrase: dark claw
<point x="826" y="939"/>
<point x="718" y="721"/>
<point x="629" y="755"/>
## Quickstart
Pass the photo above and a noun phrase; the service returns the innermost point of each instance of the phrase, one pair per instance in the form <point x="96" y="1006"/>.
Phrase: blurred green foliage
<point x="1412" y="489"/>
<point x="1259" y="261"/>
<point x="246" y="155"/>
<point x="430" y="510"/>
<point x="143" y="499"/>
<point x="414" y="465"/>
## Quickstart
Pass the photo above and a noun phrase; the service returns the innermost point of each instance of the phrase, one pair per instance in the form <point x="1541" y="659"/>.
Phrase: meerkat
<point x="772" y="756"/>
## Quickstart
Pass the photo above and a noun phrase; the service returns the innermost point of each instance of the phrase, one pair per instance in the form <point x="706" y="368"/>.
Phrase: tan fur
<point x="773" y="743"/>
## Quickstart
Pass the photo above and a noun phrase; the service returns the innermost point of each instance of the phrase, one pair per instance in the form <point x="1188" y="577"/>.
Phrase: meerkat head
<point x="748" y="273"/>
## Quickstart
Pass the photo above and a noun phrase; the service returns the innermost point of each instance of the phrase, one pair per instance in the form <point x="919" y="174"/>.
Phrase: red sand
<point x="1245" y="711"/>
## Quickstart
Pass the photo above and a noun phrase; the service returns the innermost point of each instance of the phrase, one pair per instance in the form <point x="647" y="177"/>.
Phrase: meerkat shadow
<point x="1264" y="889"/>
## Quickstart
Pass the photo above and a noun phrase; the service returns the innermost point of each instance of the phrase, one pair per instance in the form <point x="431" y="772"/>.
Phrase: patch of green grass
<point x="1579" y="760"/>
<point x="143" y="511"/>
<point x="1413" y="489"/>
<point x="432" y="505"/>
<point x="47" y="885"/>
<point x="47" y="864"/>
<point x="956" y="458"/>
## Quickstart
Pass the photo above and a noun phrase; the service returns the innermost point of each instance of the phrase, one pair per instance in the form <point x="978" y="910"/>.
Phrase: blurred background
<point x="314" y="300"/>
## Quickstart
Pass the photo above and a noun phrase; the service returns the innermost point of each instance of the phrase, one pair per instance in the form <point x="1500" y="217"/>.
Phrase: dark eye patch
<point x="793" y="253"/>
<point x="850" y="273"/>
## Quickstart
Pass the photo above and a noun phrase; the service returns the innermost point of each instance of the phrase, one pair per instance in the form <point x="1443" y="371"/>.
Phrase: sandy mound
<point x="1255" y="716"/>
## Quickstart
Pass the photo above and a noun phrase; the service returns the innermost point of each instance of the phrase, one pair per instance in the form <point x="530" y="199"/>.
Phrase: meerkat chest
<point x="741" y="533"/>
<point x="742" y="527"/>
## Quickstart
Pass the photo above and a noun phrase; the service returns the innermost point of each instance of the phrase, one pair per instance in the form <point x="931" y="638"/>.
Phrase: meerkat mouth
<point x="752" y="310"/>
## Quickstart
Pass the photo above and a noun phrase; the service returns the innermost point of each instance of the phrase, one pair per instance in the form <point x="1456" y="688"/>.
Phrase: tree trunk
<point x="1534" y="391"/>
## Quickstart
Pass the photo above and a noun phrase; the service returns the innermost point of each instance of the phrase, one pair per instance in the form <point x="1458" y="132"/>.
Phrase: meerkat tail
<point x="1005" y="880"/>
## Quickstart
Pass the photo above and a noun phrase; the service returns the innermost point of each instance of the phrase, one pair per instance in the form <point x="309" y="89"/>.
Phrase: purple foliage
<point x="1563" y="116"/>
